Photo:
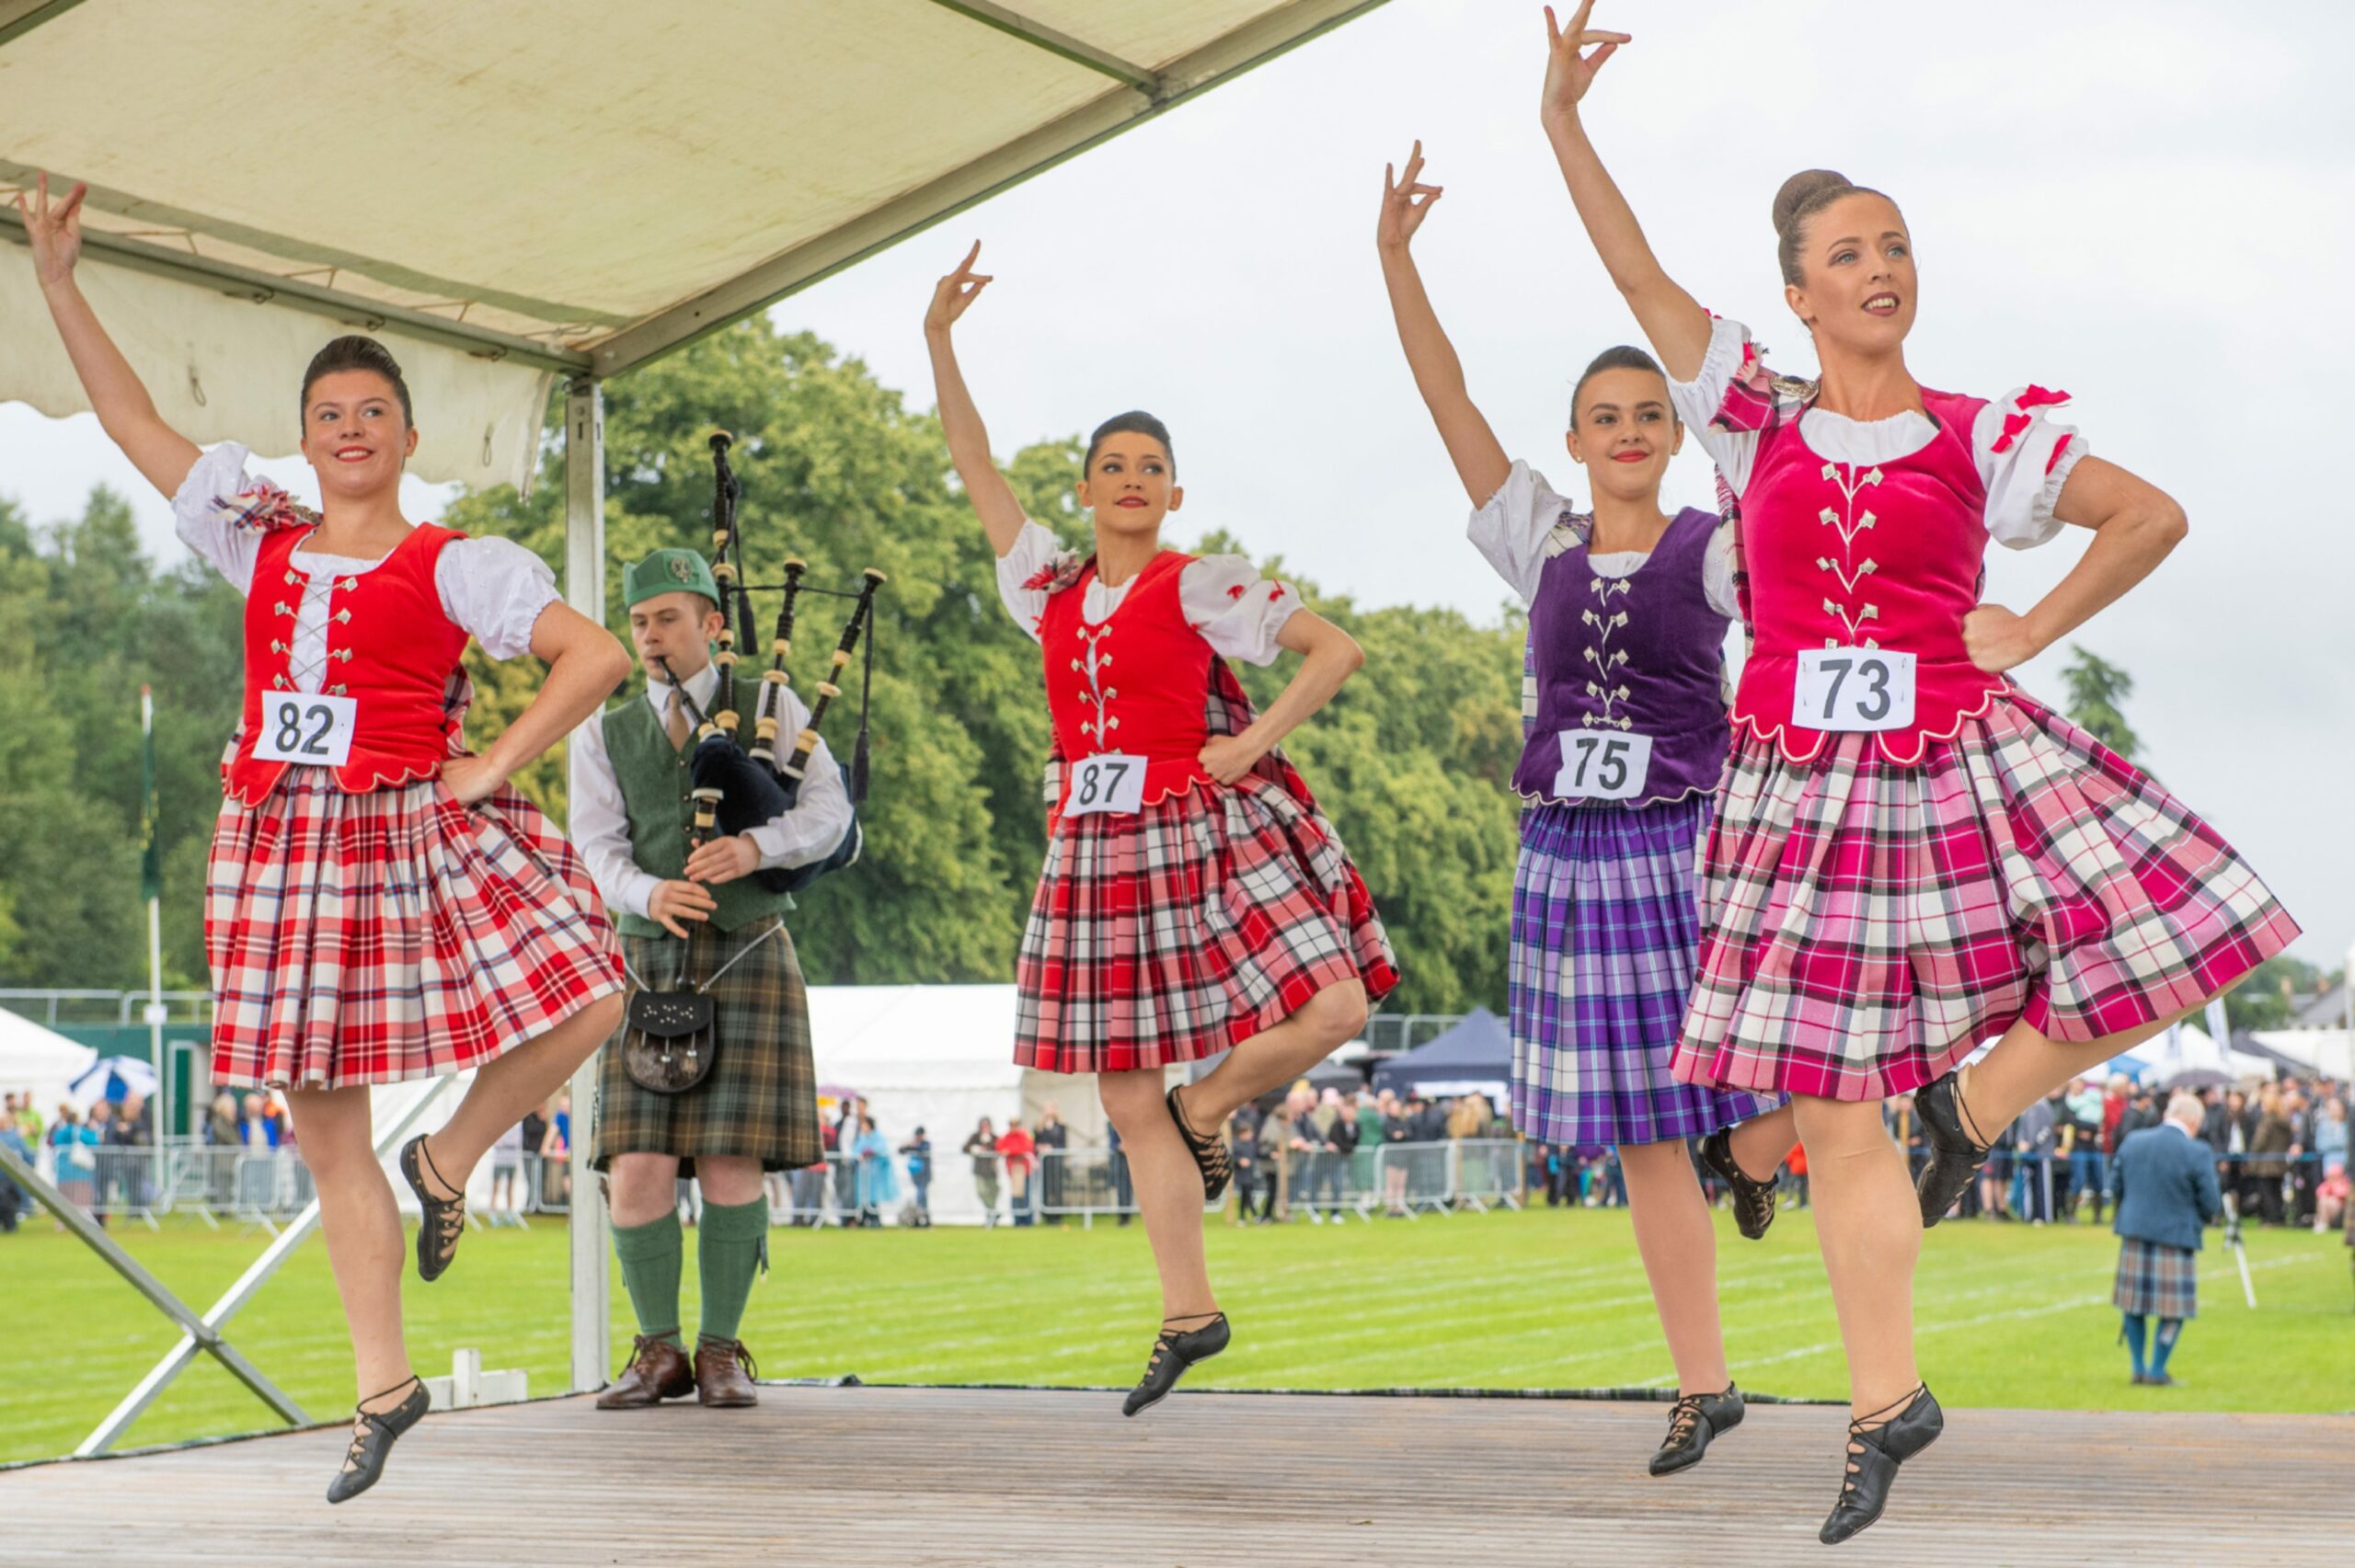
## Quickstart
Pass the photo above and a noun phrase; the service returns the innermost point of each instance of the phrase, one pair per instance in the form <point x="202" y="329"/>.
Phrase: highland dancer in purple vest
<point x="1628" y="609"/>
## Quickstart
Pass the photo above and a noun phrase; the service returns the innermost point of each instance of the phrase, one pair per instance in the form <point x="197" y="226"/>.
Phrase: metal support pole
<point x="584" y="590"/>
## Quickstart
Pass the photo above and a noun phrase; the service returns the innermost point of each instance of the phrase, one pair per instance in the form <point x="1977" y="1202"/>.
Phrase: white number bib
<point x="1109" y="781"/>
<point x="1602" y="764"/>
<point x="298" y="726"/>
<point x="1853" y="688"/>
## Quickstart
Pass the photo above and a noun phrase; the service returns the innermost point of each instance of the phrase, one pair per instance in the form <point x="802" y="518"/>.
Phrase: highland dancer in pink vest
<point x="1911" y="854"/>
<point x="1194" y="900"/>
<point x="380" y="906"/>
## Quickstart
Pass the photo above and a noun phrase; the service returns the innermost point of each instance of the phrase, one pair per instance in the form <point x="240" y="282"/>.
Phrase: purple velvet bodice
<point x="1638" y="655"/>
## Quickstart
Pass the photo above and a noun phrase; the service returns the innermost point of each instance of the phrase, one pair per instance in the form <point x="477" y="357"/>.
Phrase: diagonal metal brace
<point x="197" y="1333"/>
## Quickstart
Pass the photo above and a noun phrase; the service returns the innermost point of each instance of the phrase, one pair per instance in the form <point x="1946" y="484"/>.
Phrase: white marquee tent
<point x="517" y="194"/>
<point x="934" y="1056"/>
<point x="40" y="1060"/>
<point x="2187" y="1047"/>
<point x="2327" y="1051"/>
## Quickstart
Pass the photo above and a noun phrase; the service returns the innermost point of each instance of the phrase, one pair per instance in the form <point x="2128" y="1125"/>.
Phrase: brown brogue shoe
<point x="658" y="1370"/>
<point x="724" y="1374"/>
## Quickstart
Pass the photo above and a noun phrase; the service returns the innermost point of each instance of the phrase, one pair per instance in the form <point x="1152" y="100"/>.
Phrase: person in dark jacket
<point x="1255" y="1187"/>
<point x="2165" y="1187"/>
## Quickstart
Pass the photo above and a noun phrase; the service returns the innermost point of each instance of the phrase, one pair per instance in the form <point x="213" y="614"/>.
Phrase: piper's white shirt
<point x="493" y="589"/>
<point x="599" y="823"/>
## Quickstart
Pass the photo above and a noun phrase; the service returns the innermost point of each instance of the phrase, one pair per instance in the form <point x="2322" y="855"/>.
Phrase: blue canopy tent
<point x="1476" y="1057"/>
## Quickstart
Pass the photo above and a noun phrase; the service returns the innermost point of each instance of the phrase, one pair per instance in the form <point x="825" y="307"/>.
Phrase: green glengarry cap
<point x="667" y="571"/>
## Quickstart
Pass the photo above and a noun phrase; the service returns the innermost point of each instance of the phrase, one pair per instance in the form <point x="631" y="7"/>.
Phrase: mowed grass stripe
<point x="2009" y="1315"/>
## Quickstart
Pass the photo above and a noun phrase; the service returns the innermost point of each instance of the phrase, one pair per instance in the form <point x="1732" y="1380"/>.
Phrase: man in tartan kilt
<point x="2165" y="1183"/>
<point x="696" y="919"/>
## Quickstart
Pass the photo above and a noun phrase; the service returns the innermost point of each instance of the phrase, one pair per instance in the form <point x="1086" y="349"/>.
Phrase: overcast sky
<point x="2151" y="205"/>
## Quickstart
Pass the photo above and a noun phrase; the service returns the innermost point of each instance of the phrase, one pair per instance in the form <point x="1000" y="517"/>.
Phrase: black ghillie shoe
<point x="441" y="1219"/>
<point x="1874" y="1454"/>
<point x="1210" y="1153"/>
<point x="1955" y="1154"/>
<point x="1754" y="1202"/>
<point x="1691" y="1422"/>
<point x="371" y="1438"/>
<point x="1173" y="1352"/>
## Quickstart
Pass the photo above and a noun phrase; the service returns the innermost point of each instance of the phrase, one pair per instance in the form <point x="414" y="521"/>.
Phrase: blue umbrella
<point x="111" y="1079"/>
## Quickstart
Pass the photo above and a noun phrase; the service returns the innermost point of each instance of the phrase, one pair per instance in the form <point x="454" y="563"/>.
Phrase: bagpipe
<point x="734" y="788"/>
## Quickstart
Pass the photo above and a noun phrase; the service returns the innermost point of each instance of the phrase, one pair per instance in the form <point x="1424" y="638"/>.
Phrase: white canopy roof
<point x="512" y="192"/>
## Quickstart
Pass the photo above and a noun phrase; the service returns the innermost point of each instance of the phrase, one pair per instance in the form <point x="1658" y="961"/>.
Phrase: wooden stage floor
<point x="857" y="1476"/>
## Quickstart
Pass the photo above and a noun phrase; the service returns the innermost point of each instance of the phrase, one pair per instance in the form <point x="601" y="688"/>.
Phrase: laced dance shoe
<point x="1211" y="1156"/>
<point x="1691" y="1422"/>
<point x="1173" y="1352"/>
<point x="1754" y="1202"/>
<point x="1874" y="1454"/>
<point x="372" y="1432"/>
<point x="443" y="1218"/>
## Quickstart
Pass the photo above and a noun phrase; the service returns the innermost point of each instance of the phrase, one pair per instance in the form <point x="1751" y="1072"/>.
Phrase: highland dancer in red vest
<point x="1911" y="854"/>
<point x="380" y="906"/>
<point x="1194" y="900"/>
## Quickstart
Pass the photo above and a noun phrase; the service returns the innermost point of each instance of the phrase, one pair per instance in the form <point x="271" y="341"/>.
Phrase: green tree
<point x="98" y="622"/>
<point x="2097" y="692"/>
<point x="2274" y="990"/>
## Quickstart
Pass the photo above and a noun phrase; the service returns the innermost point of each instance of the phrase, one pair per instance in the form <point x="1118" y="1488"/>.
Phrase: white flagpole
<point x="163" y="1119"/>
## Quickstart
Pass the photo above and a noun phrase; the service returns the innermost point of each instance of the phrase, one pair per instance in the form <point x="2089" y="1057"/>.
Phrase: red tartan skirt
<point x="373" y="937"/>
<point x="1172" y="934"/>
<point x="1867" y="924"/>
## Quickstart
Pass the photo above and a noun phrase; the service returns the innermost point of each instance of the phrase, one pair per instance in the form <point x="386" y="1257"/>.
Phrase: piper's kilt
<point x="761" y="1098"/>
<point x="2156" y="1281"/>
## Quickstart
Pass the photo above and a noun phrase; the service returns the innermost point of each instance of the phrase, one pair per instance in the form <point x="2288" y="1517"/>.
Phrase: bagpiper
<point x="724" y="1091"/>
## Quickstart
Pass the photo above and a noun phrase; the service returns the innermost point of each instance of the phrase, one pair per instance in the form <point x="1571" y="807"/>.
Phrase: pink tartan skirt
<point x="1868" y="925"/>
<point x="1172" y="934"/>
<point x="393" y="934"/>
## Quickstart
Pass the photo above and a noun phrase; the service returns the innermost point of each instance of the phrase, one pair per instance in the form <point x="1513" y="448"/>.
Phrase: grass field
<point x="2009" y="1315"/>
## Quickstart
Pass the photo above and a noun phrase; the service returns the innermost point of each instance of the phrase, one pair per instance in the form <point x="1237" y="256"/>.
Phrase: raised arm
<point x="1479" y="458"/>
<point x="125" y="411"/>
<point x="2135" y="525"/>
<point x="969" y="443"/>
<point x="1678" y="327"/>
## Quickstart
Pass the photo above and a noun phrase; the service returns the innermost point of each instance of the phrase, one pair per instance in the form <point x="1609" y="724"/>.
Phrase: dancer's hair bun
<point x="1802" y="192"/>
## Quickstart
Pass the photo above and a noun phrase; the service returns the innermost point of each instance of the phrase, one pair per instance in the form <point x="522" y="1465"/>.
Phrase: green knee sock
<point x="731" y="1242"/>
<point x="652" y="1257"/>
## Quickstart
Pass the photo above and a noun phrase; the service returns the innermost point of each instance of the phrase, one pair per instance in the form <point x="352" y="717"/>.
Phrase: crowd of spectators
<point x="2280" y="1150"/>
<point x="99" y="1158"/>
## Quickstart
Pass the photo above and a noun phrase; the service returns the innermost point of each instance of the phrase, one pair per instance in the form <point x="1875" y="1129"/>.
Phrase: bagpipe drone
<point x="735" y="788"/>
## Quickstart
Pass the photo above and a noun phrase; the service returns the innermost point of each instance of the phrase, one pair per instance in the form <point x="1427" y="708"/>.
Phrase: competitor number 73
<point x="1853" y="688"/>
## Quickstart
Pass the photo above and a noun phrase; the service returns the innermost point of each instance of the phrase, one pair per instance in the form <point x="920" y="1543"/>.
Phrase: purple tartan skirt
<point x="1605" y="935"/>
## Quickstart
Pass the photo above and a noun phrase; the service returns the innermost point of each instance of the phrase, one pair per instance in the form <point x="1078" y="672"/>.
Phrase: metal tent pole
<point x="584" y="590"/>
